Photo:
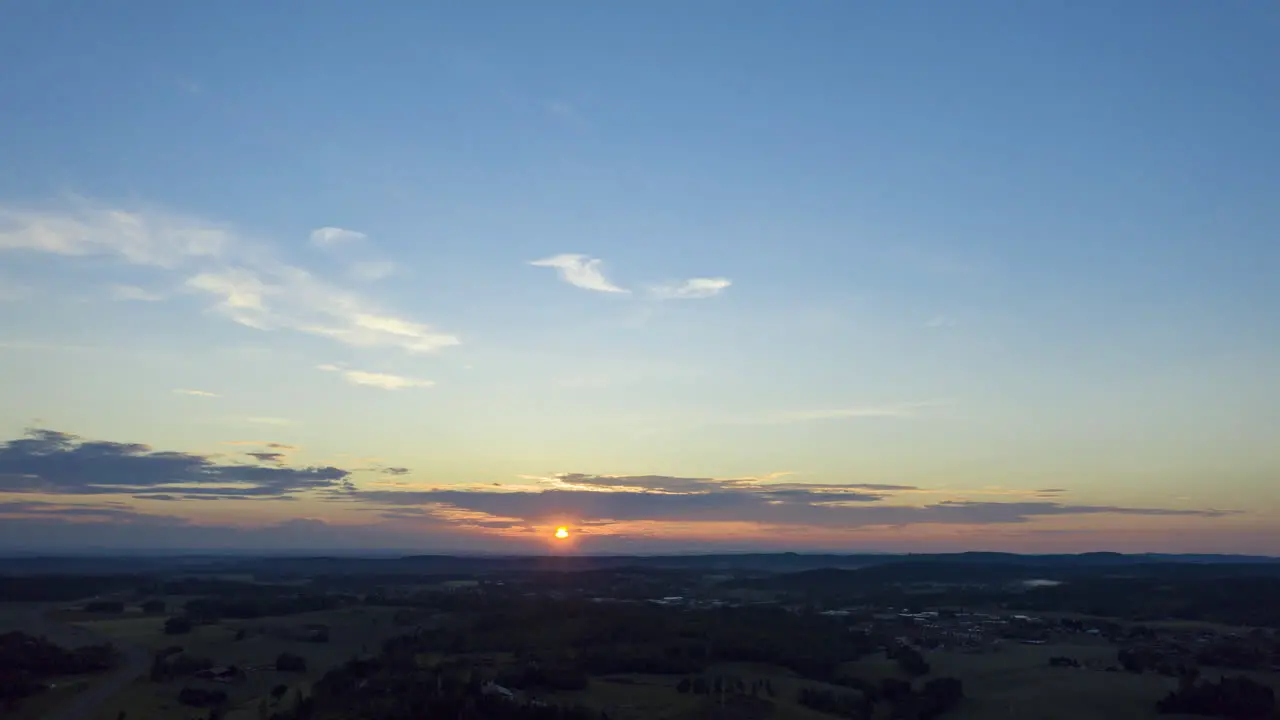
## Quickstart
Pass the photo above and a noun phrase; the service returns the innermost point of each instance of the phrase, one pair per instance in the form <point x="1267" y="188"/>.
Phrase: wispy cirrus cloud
<point x="580" y="271"/>
<point x="347" y="243"/>
<point x="691" y="289"/>
<point x="386" y="381"/>
<point x="196" y="393"/>
<point x="291" y="298"/>
<point x="152" y="239"/>
<point x="587" y="273"/>
<point x="327" y="237"/>
<point x="133" y="293"/>
<point x="242" y="277"/>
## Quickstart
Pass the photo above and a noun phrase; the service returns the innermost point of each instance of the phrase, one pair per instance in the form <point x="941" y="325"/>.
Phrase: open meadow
<point x="638" y="696"/>
<point x="252" y="646"/>
<point x="1016" y="681"/>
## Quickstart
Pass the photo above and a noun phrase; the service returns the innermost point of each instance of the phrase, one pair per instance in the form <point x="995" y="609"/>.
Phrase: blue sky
<point x="1012" y="264"/>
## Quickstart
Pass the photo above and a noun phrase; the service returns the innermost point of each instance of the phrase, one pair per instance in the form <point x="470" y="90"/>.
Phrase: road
<point x="134" y="663"/>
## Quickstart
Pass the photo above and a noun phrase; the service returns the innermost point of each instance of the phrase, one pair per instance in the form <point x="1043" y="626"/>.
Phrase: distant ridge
<point x="284" y="564"/>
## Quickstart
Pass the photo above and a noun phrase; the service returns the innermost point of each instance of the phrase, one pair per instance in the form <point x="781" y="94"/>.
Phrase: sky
<point x="723" y="275"/>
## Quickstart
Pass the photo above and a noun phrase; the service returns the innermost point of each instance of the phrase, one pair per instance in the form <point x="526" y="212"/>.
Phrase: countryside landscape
<point x="640" y="360"/>
<point x="966" y="636"/>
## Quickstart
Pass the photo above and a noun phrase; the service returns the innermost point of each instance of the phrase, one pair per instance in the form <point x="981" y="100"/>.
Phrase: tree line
<point x="28" y="662"/>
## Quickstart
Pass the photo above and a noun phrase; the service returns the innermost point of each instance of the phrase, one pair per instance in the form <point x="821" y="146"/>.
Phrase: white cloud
<point x="152" y="239"/>
<point x="242" y="277"/>
<point x="691" y="289"/>
<point x="196" y="393"/>
<point x="327" y="237"/>
<point x="291" y="298"/>
<point x="580" y="271"/>
<point x="386" y="381"/>
<point x="241" y="295"/>
<point x="133" y="293"/>
<point x="370" y="270"/>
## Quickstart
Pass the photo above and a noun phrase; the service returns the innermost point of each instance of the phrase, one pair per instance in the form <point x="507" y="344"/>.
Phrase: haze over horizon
<point x="725" y="275"/>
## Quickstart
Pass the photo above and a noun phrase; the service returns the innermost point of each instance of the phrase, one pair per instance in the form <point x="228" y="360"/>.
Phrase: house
<point x="493" y="688"/>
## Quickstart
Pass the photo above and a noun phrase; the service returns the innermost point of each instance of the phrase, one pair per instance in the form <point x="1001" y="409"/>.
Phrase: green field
<point x="1012" y="681"/>
<point x="353" y="632"/>
<point x="634" y="696"/>
<point x="29" y="618"/>
<point x="1017" y="682"/>
<point x="36" y="707"/>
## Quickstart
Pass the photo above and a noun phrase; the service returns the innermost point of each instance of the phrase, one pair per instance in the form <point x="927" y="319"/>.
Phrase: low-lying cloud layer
<point x="47" y="463"/>
<point x="58" y="463"/>
<point x="613" y="498"/>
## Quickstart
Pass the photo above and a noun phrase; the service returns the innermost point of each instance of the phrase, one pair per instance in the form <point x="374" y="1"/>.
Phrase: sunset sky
<point x="720" y="275"/>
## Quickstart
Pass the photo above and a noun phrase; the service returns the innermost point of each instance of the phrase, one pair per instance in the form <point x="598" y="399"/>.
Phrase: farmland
<point x="627" y="645"/>
<point x="351" y="633"/>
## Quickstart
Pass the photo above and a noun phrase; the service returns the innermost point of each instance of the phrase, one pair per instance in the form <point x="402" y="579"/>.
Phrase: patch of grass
<point x="640" y="697"/>
<point x="1017" y="682"/>
<point x="634" y="696"/>
<point x="353" y="632"/>
<point x="38" y="706"/>
<point x="15" y="617"/>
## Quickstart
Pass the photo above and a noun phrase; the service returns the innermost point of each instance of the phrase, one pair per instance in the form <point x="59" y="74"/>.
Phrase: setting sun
<point x="562" y="533"/>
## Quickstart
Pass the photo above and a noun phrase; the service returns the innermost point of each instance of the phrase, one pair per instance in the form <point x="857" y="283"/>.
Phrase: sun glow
<point x="562" y="533"/>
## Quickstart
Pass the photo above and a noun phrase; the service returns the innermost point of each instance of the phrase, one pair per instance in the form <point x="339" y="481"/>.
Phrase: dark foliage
<point x="210" y="609"/>
<point x="198" y="697"/>
<point x="617" y="638"/>
<point x="288" y="662"/>
<point x="845" y="705"/>
<point x="1250" y="601"/>
<point x="390" y="689"/>
<point x="910" y="660"/>
<point x="61" y="588"/>
<point x="27" y="662"/>
<point x="1233" y="697"/>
